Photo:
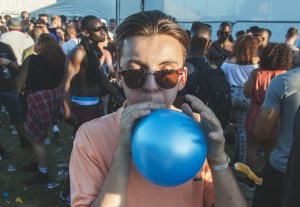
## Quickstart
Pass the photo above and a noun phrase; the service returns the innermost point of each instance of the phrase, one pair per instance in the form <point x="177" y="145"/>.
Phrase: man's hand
<point x="128" y="119"/>
<point x="212" y="128"/>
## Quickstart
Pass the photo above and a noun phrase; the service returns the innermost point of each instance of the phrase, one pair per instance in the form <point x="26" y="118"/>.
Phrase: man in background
<point x="16" y="39"/>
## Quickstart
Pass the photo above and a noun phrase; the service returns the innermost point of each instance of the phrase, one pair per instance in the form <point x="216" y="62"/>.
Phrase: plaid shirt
<point x="43" y="108"/>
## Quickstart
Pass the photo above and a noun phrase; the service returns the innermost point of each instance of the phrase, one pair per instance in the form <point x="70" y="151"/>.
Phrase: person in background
<point x="25" y="20"/>
<point x="83" y="72"/>
<point x="8" y="93"/>
<point x="44" y="78"/>
<point x="263" y="36"/>
<point x="3" y="29"/>
<point x="223" y="47"/>
<point x="252" y="30"/>
<point x="63" y="21"/>
<point x="69" y="45"/>
<point x="20" y="78"/>
<point x="237" y="70"/>
<point x="55" y="23"/>
<point x="290" y="38"/>
<point x="45" y="18"/>
<point x="16" y="39"/>
<point x="107" y="67"/>
<point x="274" y="60"/>
<point x="35" y="34"/>
<point x="240" y="34"/>
<point x="62" y="35"/>
<point x="281" y="103"/>
<point x="7" y="17"/>
<point x="111" y="28"/>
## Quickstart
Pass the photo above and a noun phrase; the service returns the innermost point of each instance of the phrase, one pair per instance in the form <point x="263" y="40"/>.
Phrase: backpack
<point x="213" y="89"/>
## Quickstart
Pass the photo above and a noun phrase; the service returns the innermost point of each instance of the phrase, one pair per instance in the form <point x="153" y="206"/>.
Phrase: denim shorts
<point x="10" y="100"/>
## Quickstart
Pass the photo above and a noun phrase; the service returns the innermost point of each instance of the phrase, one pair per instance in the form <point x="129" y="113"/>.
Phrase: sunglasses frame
<point x="178" y="72"/>
<point x="97" y="29"/>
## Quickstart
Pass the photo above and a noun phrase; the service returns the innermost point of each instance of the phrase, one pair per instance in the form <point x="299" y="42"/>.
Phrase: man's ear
<point x="118" y="77"/>
<point x="183" y="78"/>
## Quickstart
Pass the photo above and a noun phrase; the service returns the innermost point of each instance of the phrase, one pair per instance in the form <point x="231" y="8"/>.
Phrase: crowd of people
<point x="102" y="78"/>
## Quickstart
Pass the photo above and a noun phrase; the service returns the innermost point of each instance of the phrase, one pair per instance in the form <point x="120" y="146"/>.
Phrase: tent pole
<point x="142" y="5"/>
<point x="118" y="11"/>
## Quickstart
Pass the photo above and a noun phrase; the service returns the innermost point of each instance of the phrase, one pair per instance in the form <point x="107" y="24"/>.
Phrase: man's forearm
<point x="114" y="189"/>
<point x="227" y="192"/>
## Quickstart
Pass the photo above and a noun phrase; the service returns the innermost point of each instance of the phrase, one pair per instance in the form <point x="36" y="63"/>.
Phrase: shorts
<point x="10" y="100"/>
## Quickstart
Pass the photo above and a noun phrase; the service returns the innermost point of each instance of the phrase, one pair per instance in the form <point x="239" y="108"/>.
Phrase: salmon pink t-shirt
<point x="94" y="147"/>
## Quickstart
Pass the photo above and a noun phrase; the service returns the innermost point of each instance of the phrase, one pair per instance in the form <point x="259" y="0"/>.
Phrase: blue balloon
<point x="168" y="147"/>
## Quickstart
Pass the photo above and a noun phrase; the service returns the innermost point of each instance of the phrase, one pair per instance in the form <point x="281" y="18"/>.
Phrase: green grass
<point x="12" y="182"/>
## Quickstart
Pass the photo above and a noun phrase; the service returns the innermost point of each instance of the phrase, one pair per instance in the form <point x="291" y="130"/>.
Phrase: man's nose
<point x="150" y="83"/>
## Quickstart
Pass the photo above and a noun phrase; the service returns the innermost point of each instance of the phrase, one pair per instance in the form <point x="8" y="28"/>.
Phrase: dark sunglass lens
<point x="134" y="79"/>
<point x="166" y="79"/>
<point x="96" y="29"/>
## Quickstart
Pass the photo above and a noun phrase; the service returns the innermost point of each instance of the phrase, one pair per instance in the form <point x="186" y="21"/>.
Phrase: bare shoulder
<point x="78" y="52"/>
<point x="77" y="55"/>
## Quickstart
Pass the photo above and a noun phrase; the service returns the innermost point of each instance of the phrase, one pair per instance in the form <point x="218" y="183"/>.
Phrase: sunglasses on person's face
<point x="224" y="33"/>
<point x="165" y="79"/>
<point x="97" y="29"/>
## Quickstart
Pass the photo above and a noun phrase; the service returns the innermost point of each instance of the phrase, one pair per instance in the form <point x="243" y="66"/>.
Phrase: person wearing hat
<point x="16" y="39"/>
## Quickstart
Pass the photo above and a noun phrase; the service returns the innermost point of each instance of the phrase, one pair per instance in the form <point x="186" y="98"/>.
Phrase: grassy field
<point x="11" y="183"/>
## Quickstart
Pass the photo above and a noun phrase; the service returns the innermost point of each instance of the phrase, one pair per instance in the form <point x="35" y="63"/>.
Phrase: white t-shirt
<point x="69" y="45"/>
<point x="18" y="42"/>
<point x="236" y="74"/>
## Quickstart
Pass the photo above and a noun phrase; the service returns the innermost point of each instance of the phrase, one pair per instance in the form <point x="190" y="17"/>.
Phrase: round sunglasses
<point x="165" y="79"/>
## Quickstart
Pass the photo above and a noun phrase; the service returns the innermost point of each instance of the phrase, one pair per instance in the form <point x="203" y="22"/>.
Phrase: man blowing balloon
<point x="151" y="50"/>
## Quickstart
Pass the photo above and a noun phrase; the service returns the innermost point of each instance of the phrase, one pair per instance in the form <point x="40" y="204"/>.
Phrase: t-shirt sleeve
<point x="86" y="178"/>
<point x="274" y="94"/>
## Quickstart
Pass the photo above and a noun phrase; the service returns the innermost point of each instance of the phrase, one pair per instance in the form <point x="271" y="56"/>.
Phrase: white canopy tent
<point x="69" y="8"/>
<point x="183" y="10"/>
<point x="99" y="8"/>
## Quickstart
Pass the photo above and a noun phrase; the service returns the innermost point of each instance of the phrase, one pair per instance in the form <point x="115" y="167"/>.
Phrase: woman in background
<point x="237" y="70"/>
<point x="62" y="35"/>
<point x="275" y="59"/>
<point x="45" y="74"/>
